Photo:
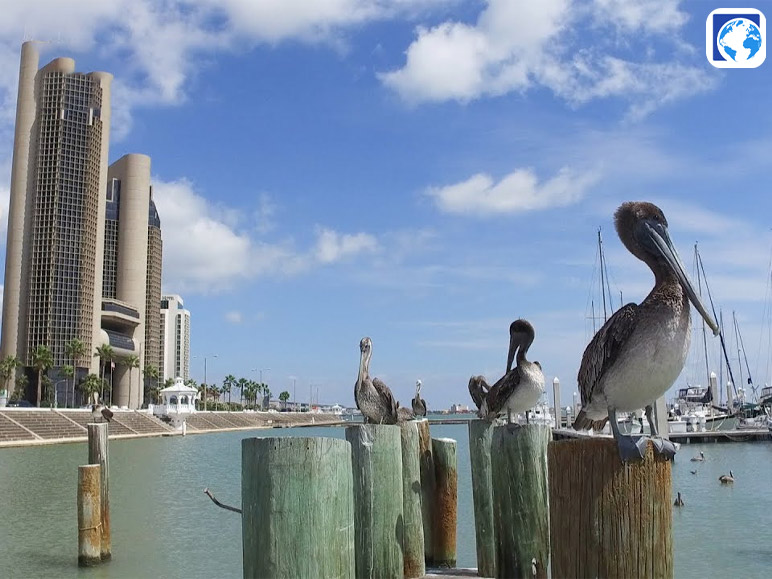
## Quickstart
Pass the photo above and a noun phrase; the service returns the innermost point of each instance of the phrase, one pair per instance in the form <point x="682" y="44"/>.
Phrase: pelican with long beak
<point x="419" y="405"/>
<point x="640" y="351"/>
<point x="521" y="387"/>
<point x="373" y="398"/>
<point x="99" y="411"/>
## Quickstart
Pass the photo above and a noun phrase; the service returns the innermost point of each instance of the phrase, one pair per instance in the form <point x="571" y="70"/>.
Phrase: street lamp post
<point x="261" y="380"/>
<point x="206" y="386"/>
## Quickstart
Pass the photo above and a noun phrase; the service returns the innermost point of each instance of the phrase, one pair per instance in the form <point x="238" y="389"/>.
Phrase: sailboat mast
<point x="602" y="276"/>
<point x="704" y="333"/>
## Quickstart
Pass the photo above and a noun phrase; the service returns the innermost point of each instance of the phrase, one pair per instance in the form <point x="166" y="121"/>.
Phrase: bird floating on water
<point x="679" y="502"/>
<point x="521" y="387"/>
<point x="99" y="411"/>
<point x="419" y="404"/>
<point x="699" y="458"/>
<point x="693" y="471"/>
<point x="373" y="398"/>
<point x="640" y="351"/>
<point x="726" y="479"/>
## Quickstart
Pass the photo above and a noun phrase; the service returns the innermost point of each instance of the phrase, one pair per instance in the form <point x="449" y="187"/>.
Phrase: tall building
<point x="175" y="339"/>
<point x="58" y="261"/>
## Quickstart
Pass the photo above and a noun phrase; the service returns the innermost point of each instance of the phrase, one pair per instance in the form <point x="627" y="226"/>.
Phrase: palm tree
<point x="106" y="354"/>
<point x="42" y="361"/>
<point x="151" y="372"/>
<point x="242" y="382"/>
<point x="68" y="372"/>
<point x="131" y="361"/>
<point x="92" y="383"/>
<point x="21" y="386"/>
<point x="227" y="385"/>
<point x="284" y="396"/>
<point x="8" y="366"/>
<point x="76" y="350"/>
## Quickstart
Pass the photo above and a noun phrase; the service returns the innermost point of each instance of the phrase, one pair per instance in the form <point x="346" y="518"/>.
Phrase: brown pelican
<point x="639" y="352"/>
<point x="700" y="458"/>
<point x="521" y="387"/>
<point x="373" y="397"/>
<point x="404" y="414"/>
<point x="679" y="502"/>
<point x="419" y="405"/>
<point x="478" y="389"/>
<point x="100" y="411"/>
<point x="726" y="479"/>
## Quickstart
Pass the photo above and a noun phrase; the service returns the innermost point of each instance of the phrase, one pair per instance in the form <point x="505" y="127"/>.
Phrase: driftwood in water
<point x="208" y="493"/>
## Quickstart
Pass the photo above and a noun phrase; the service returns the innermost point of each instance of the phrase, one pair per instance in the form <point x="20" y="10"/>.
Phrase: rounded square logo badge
<point x="736" y="38"/>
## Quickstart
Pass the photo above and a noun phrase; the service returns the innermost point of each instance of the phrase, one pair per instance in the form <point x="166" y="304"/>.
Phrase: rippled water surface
<point x="164" y="526"/>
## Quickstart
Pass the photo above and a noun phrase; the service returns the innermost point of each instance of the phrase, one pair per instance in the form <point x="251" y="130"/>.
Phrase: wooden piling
<point x="376" y="454"/>
<point x="445" y="502"/>
<point x="609" y="519"/>
<point x="89" y="516"/>
<point x="427" y="487"/>
<point x="520" y="497"/>
<point x="480" y="435"/>
<point x="297" y="508"/>
<point x="412" y="518"/>
<point x="98" y="453"/>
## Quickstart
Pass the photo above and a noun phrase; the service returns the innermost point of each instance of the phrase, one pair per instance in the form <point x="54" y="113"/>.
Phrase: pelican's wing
<point x="501" y="391"/>
<point x="419" y="406"/>
<point x="604" y="349"/>
<point x="107" y="413"/>
<point x="477" y="389"/>
<point x="385" y="393"/>
<point x="404" y="414"/>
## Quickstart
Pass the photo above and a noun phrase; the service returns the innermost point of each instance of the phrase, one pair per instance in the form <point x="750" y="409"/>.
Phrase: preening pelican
<point x="419" y="405"/>
<point x="373" y="397"/>
<point x="521" y="387"/>
<point x="639" y="352"/>
<point x="99" y="411"/>
<point x="478" y="390"/>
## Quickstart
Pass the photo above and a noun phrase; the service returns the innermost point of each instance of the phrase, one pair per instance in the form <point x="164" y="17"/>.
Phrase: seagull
<point x="373" y="398"/>
<point x="700" y="458"/>
<point x="640" y="351"/>
<point x="99" y="411"/>
<point x="521" y="387"/>
<point x="419" y="405"/>
<point x="726" y="479"/>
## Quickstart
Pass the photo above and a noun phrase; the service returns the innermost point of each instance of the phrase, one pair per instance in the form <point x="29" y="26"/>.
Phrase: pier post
<point x="556" y="402"/>
<point x="98" y="453"/>
<point x="520" y="497"/>
<point x="297" y="508"/>
<point x="445" y="508"/>
<point x="480" y="435"/>
<point x="412" y="518"/>
<point x="427" y="487"/>
<point x="376" y="454"/>
<point x="609" y="519"/>
<point x="89" y="516"/>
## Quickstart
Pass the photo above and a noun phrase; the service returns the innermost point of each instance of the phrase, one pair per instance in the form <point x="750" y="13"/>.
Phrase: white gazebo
<point x="179" y="402"/>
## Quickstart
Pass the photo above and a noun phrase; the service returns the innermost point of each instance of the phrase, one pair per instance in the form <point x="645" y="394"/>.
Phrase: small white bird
<point x="99" y="411"/>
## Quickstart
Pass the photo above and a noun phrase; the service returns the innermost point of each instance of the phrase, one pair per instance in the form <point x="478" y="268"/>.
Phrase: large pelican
<point x="374" y="399"/>
<point x="478" y="390"/>
<point x="521" y="387"/>
<point x="639" y="352"/>
<point x="419" y="405"/>
<point x="99" y="411"/>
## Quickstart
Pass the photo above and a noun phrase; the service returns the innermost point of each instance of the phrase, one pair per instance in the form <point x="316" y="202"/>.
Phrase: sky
<point x="422" y="172"/>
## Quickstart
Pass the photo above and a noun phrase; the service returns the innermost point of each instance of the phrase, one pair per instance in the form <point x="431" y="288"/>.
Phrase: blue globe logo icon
<point x="739" y="40"/>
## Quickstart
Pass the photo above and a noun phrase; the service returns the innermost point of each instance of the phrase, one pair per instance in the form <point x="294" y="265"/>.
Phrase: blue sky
<point x="420" y="171"/>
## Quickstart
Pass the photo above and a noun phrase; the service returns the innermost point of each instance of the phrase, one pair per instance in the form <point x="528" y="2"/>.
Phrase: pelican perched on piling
<point x="99" y="411"/>
<point x="419" y="404"/>
<point x="373" y="398"/>
<point x="404" y="414"/>
<point x="726" y="479"/>
<point x="521" y="387"/>
<point x="639" y="352"/>
<point x="478" y="390"/>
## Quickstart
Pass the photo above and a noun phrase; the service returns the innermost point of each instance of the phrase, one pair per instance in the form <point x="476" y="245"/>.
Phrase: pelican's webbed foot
<point x="664" y="447"/>
<point x="632" y="448"/>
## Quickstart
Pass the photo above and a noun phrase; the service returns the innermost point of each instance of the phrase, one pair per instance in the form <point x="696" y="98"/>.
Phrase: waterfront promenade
<point x="39" y="426"/>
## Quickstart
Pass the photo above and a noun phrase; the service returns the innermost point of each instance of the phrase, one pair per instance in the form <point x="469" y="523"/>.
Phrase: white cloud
<point x="518" y="192"/>
<point x="234" y="317"/>
<point x="205" y="251"/>
<point x="519" y="44"/>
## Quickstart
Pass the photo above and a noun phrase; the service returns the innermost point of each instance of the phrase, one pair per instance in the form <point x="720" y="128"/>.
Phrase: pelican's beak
<point x="513" y="344"/>
<point x="660" y="239"/>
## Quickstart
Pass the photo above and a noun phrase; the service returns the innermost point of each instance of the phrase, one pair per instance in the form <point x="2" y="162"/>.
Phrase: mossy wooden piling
<point x="427" y="487"/>
<point x="89" y="516"/>
<point x="297" y="508"/>
<point x="376" y="453"/>
<point x="98" y="453"/>
<point x="480" y="435"/>
<point x="412" y="518"/>
<point x="520" y="498"/>
<point x="444" y="513"/>
<point x="609" y="519"/>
